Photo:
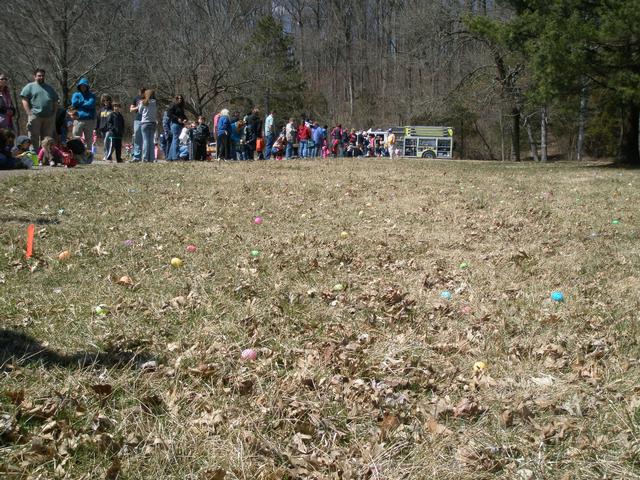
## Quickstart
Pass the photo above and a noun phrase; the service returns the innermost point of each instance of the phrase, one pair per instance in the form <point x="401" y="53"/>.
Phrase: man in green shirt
<point x="40" y="102"/>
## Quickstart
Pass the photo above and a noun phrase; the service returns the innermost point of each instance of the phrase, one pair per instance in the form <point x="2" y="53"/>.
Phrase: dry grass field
<point x="363" y="370"/>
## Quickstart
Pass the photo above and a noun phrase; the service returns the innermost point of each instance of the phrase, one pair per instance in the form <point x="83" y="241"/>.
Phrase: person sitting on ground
<point x="50" y="155"/>
<point x="184" y="138"/>
<point x="7" y="161"/>
<point x="81" y="154"/>
<point x="23" y="151"/>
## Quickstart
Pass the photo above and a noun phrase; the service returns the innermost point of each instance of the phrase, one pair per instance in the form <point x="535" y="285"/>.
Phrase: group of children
<point x="66" y="150"/>
<point x="18" y="153"/>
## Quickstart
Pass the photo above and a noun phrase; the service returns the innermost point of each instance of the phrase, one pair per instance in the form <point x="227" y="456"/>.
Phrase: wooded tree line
<point x="514" y="78"/>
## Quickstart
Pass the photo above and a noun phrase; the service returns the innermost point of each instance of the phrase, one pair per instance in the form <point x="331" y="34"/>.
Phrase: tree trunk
<point x="532" y="142"/>
<point x="629" y="153"/>
<point x="484" y="140"/>
<point x="502" y="158"/>
<point x="544" y="121"/>
<point x="462" y="137"/>
<point x="582" y="118"/>
<point x="515" y="134"/>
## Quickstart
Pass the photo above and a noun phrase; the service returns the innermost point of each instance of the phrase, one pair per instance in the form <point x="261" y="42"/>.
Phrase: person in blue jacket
<point x="84" y="101"/>
<point x="224" y="135"/>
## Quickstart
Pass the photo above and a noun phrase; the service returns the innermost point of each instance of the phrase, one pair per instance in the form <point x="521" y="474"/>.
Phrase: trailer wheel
<point x="428" y="154"/>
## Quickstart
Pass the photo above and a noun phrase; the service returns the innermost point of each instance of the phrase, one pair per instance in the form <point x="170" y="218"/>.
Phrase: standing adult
<point x="177" y="119"/>
<point x="224" y="135"/>
<point x="84" y="102"/>
<point x="254" y="129"/>
<point x="391" y="145"/>
<point x="148" y="109"/>
<point x="269" y="133"/>
<point x="304" y="136"/>
<point x="318" y="139"/>
<point x="40" y="102"/>
<point x="290" y="135"/>
<point x="7" y="111"/>
<point x="137" y="133"/>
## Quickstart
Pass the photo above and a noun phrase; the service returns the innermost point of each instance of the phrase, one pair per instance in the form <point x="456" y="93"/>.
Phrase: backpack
<point x="67" y="157"/>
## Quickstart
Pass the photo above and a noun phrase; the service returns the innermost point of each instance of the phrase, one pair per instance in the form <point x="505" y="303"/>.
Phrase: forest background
<point x="515" y="79"/>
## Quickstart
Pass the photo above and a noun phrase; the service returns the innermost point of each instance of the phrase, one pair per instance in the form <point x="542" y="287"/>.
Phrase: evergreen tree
<point x="568" y="41"/>
<point x="278" y="79"/>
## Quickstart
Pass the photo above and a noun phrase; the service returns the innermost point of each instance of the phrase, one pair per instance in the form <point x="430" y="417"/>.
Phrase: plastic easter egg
<point x="249" y="354"/>
<point x="464" y="265"/>
<point x="65" y="255"/>
<point x="176" y="262"/>
<point x="344" y="234"/>
<point x="102" y="310"/>
<point x="191" y="248"/>
<point x="338" y="287"/>
<point x="479" y="367"/>
<point x="258" y="220"/>
<point x="557" y="296"/>
<point x="446" y="295"/>
<point x="255" y="253"/>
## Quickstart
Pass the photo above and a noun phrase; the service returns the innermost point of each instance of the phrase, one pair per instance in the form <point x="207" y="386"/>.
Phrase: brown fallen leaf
<point x="113" y="472"/>
<point x="16" y="396"/>
<point x="437" y="428"/>
<point x="125" y="280"/>
<point x="388" y="424"/>
<point x="467" y="407"/>
<point x="102" y="389"/>
<point x="213" y="474"/>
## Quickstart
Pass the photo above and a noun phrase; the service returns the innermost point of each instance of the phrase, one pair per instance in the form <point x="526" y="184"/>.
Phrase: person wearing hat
<point x="23" y="152"/>
<point x="84" y="102"/>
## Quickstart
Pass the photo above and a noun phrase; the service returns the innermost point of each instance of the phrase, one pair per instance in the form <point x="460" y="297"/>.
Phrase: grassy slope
<point x="374" y="381"/>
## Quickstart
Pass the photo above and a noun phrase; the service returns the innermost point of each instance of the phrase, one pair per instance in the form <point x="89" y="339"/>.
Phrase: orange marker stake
<point x="30" y="231"/>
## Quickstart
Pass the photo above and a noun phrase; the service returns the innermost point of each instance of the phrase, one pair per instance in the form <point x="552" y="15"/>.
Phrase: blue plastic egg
<point x="557" y="296"/>
<point x="446" y="295"/>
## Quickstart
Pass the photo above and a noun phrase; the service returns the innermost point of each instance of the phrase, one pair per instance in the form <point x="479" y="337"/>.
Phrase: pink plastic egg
<point x="249" y="354"/>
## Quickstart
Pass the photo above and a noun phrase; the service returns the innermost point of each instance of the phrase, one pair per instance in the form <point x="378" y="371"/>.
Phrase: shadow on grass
<point x="610" y="165"/>
<point x="21" y="349"/>
<point x="37" y="221"/>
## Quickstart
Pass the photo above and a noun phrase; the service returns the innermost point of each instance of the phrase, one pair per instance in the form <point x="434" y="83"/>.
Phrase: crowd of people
<point x="68" y="136"/>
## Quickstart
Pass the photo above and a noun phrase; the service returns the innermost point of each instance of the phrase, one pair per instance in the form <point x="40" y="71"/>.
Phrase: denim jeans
<point x="269" y="144"/>
<point x="303" y="148"/>
<point x="174" y="151"/>
<point x="288" y="150"/>
<point x="137" y="141"/>
<point x="148" y="150"/>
